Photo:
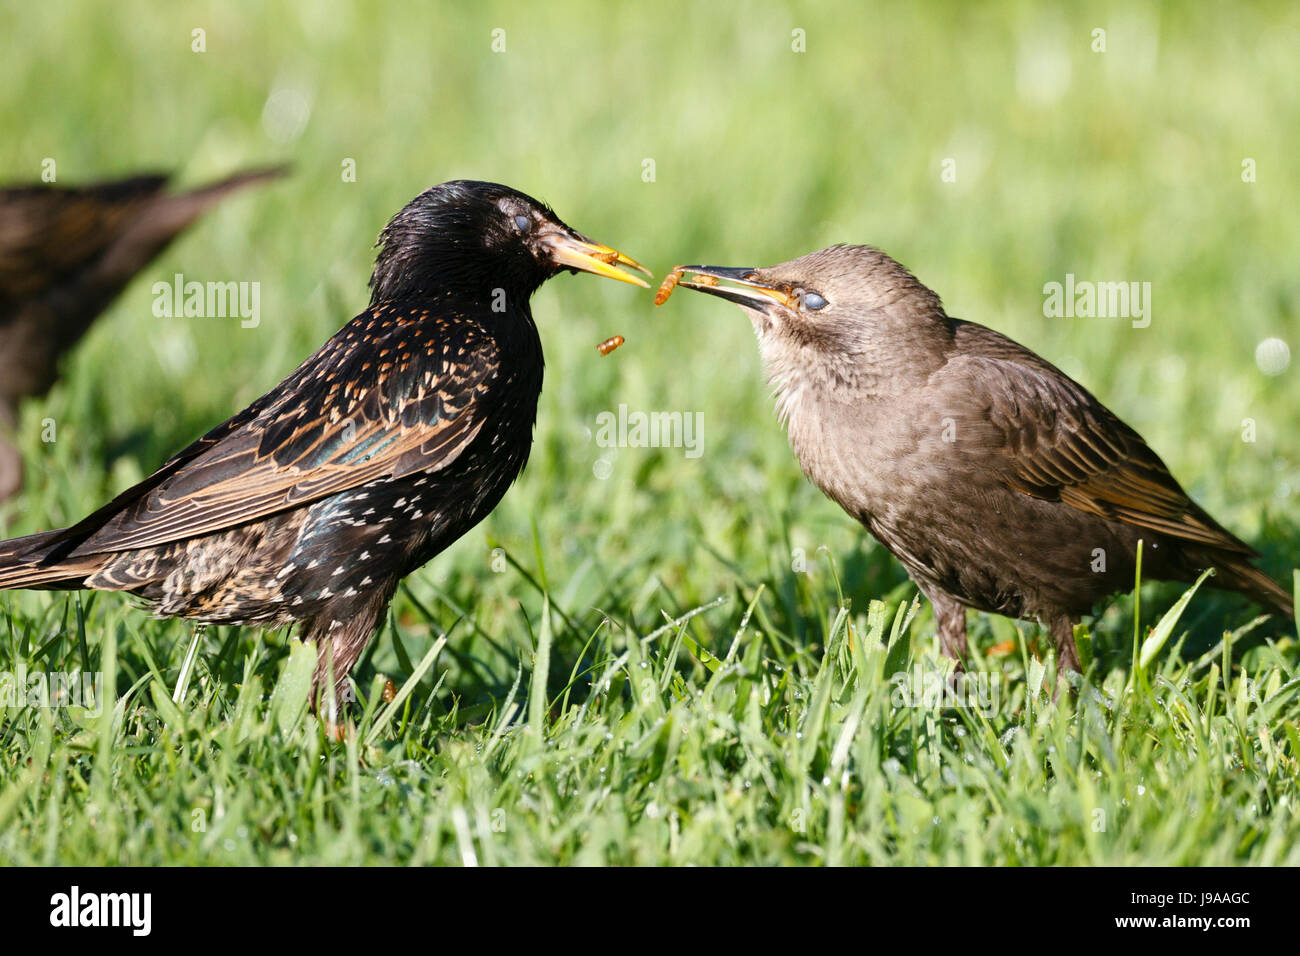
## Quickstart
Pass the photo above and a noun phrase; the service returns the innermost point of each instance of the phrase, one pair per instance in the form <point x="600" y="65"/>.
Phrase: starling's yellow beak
<point x="577" y="252"/>
<point x="747" y="290"/>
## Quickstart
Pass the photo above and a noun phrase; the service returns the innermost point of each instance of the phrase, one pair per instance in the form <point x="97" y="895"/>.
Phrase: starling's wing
<point x="1059" y="443"/>
<point x="396" y="391"/>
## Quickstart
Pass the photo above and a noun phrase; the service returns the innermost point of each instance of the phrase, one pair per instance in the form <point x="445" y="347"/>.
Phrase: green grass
<point x="640" y="675"/>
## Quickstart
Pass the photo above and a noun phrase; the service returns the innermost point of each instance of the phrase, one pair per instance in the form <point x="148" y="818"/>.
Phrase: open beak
<point x="746" y="289"/>
<point x="570" y="250"/>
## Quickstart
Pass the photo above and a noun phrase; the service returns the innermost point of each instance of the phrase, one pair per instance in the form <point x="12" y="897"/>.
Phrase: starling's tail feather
<point x="22" y="564"/>
<point x="1256" y="585"/>
<point x="184" y="208"/>
<point x="165" y="219"/>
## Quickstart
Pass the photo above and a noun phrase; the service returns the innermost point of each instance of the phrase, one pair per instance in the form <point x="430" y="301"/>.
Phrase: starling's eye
<point x="523" y="223"/>
<point x="812" y="301"/>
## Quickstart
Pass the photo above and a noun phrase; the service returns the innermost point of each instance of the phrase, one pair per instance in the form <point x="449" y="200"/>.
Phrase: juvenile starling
<point x="998" y="482"/>
<point x="399" y="435"/>
<point x="65" y="254"/>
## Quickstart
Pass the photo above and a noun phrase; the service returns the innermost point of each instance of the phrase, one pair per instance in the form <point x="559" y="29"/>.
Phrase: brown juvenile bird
<point x="999" y="483"/>
<point x="65" y="254"/>
<point x="400" y="434"/>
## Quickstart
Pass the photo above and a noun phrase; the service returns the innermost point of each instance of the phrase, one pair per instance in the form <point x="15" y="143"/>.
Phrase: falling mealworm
<point x="390" y="691"/>
<point x="607" y="346"/>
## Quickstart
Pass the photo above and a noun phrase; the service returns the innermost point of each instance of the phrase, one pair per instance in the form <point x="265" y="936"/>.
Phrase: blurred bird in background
<point x="65" y="255"/>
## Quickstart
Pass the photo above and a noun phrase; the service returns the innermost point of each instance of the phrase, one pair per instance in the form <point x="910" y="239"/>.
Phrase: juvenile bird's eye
<point x="812" y="301"/>
<point x="522" y="222"/>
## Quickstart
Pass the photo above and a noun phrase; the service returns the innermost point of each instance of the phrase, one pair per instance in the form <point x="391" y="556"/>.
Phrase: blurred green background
<point x="1122" y="165"/>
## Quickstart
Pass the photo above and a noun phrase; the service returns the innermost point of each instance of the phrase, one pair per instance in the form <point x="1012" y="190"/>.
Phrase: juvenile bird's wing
<point x="1059" y="443"/>
<point x="395" y="391"/>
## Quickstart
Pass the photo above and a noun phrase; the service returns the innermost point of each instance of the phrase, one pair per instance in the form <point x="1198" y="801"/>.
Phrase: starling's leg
<point x="950" y="618"/>
<point x="1067" y="654"/>
<point x="341" y="632"/>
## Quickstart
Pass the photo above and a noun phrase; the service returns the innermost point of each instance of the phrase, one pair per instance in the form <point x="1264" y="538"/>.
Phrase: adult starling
<point x="399" y="435"/>
<point x="65" y="254"/>
<point x="1000" y="483"/>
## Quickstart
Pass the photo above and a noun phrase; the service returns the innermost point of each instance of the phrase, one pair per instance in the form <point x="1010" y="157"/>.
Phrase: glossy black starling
<point x="998" y="482"/>
<point x="399" y="435"/>
<point x="65" y="254"/>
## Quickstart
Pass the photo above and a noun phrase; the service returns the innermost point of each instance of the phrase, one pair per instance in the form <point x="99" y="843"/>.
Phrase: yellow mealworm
<point x="607" y="346"/>
<point x="669" y="283"/>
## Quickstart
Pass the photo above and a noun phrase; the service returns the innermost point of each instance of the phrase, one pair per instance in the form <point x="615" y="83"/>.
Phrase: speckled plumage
<point x="400" y="434"/>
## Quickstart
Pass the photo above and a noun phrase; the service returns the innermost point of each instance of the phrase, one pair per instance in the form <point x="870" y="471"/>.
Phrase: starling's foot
<point x="340" y="732"/>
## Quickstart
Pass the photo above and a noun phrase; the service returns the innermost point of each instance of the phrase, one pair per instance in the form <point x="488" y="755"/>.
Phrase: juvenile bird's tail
<point x="1249" y="580"/>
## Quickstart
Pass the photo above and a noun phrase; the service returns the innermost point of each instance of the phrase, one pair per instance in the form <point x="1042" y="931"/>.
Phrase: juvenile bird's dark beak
<point x="747" y="291"/>
<point x="571" y="250"/>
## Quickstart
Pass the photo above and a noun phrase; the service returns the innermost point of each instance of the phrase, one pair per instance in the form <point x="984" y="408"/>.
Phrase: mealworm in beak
<point x="669" y="283"/>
